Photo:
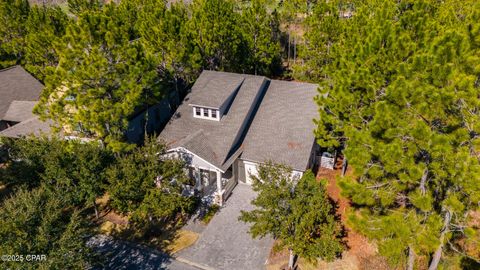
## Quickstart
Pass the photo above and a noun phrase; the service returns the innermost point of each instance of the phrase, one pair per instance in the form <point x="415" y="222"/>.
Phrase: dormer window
<point x="206" y="113"/>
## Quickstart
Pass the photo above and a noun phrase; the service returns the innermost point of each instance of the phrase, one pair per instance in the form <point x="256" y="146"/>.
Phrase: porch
<point x="213" y="185"/>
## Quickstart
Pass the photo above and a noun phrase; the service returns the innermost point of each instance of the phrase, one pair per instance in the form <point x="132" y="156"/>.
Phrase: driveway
<point x="225" y="243"/>
<point x="124" y="255"/>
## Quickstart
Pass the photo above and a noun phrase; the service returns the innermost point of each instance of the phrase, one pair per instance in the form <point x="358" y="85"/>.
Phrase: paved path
<point x="129" y="256"/>
<point x="225" y="243"/>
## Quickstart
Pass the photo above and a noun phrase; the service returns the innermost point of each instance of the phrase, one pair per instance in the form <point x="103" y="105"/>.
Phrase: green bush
<point x="212" y="210"/>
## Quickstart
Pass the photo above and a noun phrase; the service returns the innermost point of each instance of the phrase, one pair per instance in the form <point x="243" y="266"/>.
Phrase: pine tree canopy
<point x="39" y="222"/>
<point x="399" y="92"/>
<point x="102" y="79"/>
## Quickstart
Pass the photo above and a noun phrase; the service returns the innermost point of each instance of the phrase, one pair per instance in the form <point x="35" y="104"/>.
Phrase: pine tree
<point x="165" y="34"/>
<point x="295" y="211"/>
<point x="216" y="35"/>
<point x="39" y="222"/>
<point x="45" y="27"/>
<point x="399" y="94"/>
<point x="261" y="31"/>
<point x="103" y="78"/>
<point x="13" y="14"/>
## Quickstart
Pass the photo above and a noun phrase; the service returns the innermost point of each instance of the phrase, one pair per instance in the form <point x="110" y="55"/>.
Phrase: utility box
<point x="327" y="161"/>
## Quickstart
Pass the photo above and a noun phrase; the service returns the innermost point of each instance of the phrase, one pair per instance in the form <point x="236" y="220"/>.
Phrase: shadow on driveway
<point x="118" y="254"/>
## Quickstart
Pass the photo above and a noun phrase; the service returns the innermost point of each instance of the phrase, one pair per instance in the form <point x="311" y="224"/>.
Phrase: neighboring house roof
<point x="32" y="126"/>
<point x="282" y="129"/>
<point x="19" y="111"/>
<point x="214" y="141"/>
<point x="19" y="92"/>
<point x="16" y="84"/>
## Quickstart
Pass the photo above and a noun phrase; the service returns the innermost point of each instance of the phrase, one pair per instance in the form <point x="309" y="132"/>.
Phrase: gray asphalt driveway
<point x="119" y="254"/>
<point x="225" y="243"/>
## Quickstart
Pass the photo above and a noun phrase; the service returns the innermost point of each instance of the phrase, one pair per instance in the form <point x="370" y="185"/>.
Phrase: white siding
<point x="251" y="169"/>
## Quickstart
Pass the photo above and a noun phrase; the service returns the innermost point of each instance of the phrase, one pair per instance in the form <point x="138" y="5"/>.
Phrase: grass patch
<point x="172" y="242"/>
<point x="212" y="210"/>
<point x="182" y="240"/>
<point x="110" y="228"/>
<point x="103" y="201"/>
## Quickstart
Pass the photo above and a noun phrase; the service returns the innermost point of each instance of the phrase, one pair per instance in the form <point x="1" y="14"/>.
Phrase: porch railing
<point x="229" y="187"/>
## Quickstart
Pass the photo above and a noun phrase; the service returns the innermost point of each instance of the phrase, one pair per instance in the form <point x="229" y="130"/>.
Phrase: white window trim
<point x="202" y="110"/>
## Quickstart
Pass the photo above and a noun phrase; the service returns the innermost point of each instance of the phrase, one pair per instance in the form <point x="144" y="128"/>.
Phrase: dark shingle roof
<point x="17" y="84"/>
<point x="282" y="130"/>
<point x="212" y="140"/>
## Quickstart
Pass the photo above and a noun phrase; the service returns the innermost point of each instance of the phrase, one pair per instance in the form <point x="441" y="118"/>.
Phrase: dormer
<point x="206" y="113"/>
<point x="212" y="96"/>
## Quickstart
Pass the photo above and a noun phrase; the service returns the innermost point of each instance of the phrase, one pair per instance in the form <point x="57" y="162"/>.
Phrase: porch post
<point x="198" y="178"/>
<point x="219" y="180"/>
<point x="219" y="187"/>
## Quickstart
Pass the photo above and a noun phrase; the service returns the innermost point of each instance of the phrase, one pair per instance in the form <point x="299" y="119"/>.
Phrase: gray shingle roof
<point x="218" y="86"/>
<point x="212" y="140"/>
<point x="17" y="84"/>
<point x="32" y="126"/>
<point x="282" y="130"/>
<point x="19" y="111"/>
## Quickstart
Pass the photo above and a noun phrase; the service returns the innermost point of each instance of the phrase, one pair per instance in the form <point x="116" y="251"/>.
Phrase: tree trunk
<point x="438" y="253"/>
<point x="291" y="260"/>
<point x="95" y="208"/>
<point x="344" y="165"/>
<point x="288" y="48"/>
<point x="423" y="182"/>
<point x="411" y="258"/>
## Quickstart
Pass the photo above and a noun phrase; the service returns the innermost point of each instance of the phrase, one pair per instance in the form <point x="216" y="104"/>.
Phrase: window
<point x="206" y="113"/>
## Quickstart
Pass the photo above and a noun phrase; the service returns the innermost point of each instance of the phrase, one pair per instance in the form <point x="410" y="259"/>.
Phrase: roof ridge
<point x="234" y="73"/>
<point x="298" y="82"/>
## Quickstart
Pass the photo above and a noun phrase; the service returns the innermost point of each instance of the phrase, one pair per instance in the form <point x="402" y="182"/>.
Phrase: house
<point x="230" y="123"/>
<point x="20" y="91"/>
